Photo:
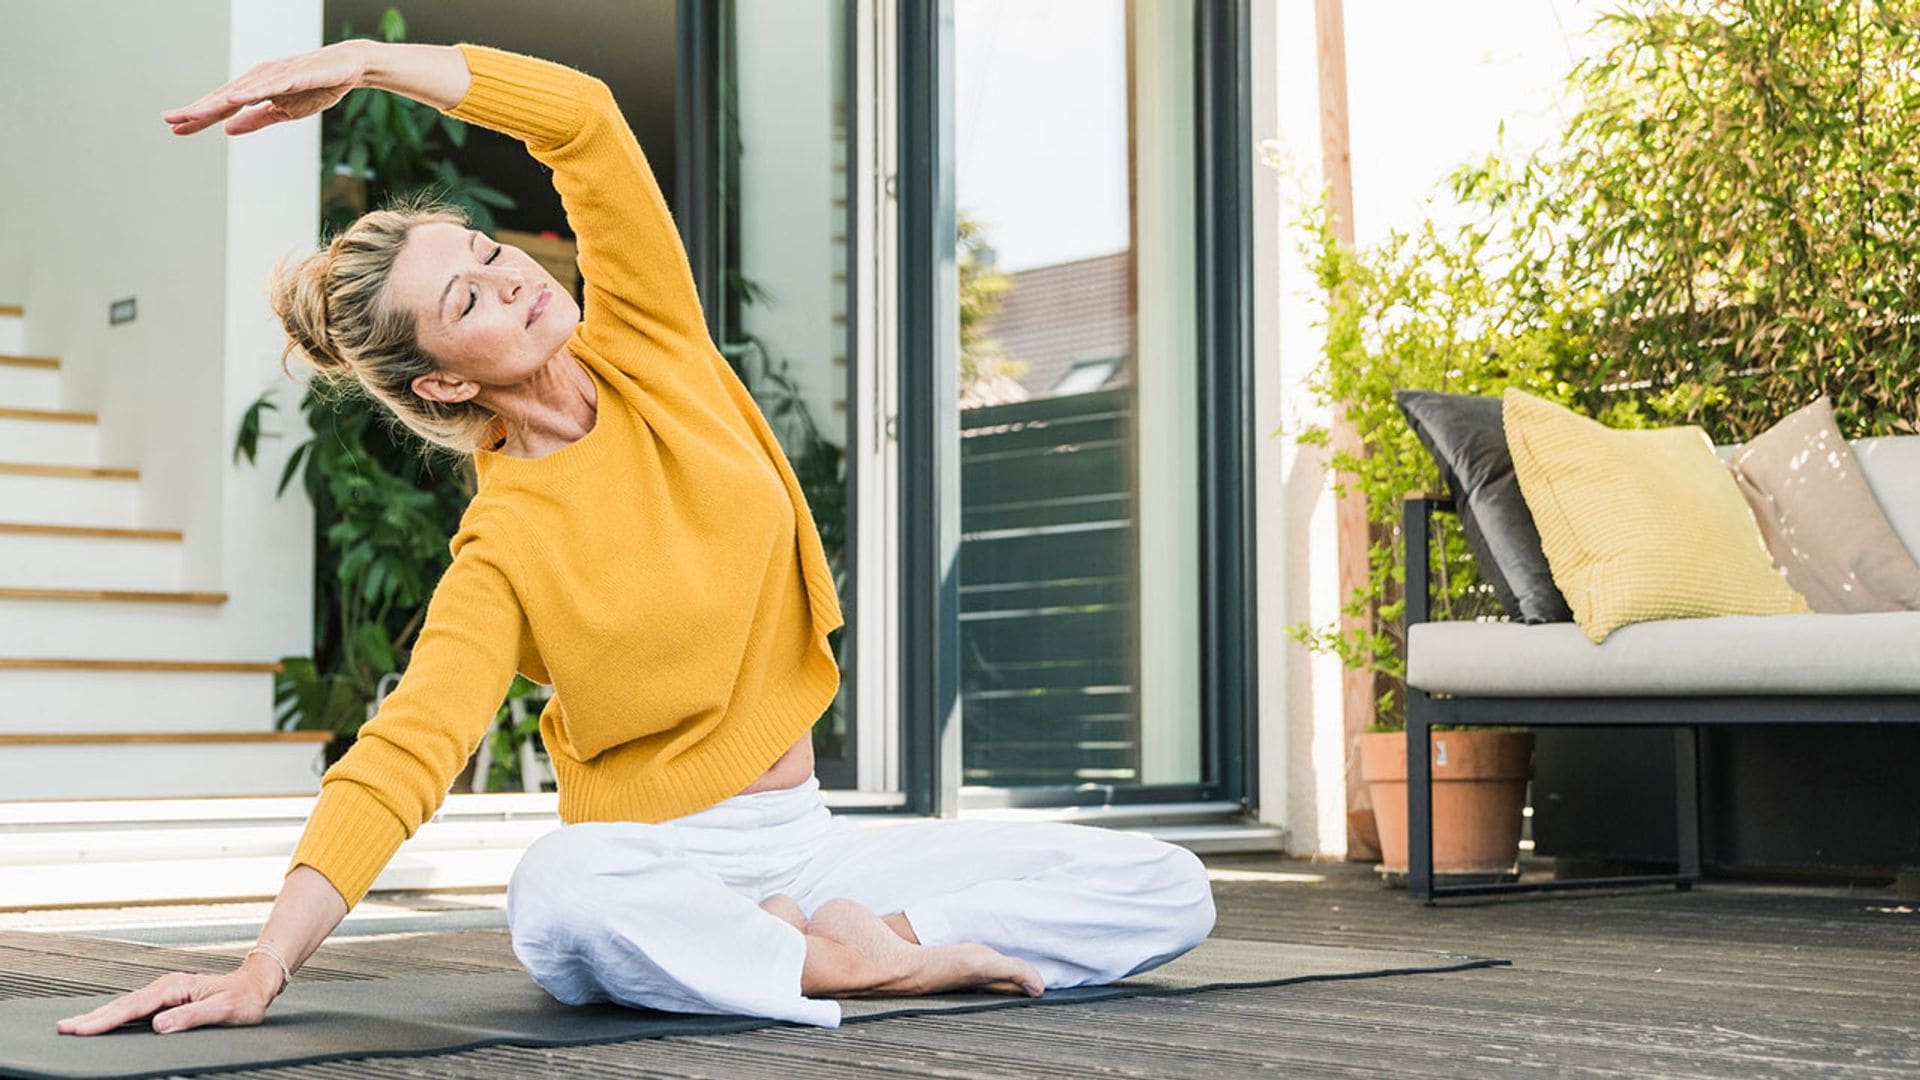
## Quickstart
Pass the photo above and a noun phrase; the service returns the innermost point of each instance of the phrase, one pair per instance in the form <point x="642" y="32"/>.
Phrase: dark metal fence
<point x="1048" y="591"/>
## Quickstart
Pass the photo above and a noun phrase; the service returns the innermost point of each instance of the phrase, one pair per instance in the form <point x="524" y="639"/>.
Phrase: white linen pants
<point x="667" y="915"/>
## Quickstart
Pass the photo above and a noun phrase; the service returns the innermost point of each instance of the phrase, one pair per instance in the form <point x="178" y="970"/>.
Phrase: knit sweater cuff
<point x="350" y="837"/>
<point x="534" y="100"/>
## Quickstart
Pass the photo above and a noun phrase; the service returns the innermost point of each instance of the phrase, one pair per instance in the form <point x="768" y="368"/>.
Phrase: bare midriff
<point x="791" y="770"/>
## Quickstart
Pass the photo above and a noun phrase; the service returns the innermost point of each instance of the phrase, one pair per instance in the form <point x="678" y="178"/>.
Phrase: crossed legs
<point x="851" y="951"/>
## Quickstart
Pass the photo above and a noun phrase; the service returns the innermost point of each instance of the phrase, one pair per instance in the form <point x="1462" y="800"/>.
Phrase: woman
<point x="638" y="541"/>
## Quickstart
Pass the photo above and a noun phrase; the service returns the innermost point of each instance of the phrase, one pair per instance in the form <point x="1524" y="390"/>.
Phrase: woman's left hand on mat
<point x="189" y="1001"/>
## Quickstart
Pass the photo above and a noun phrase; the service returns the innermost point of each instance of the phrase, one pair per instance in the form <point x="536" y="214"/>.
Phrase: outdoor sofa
<point x="1677" y="673"/>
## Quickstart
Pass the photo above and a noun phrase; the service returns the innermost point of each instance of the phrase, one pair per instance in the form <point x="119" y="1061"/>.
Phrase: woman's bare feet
<point x="782" y="905"/>
<point x="859" y="954"/>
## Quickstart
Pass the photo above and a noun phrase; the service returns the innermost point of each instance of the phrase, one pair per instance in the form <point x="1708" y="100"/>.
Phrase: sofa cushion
<point x="1639" y="525"/>
<point x="1468" y="441"/>
<point x="1736" y="654"/>
<point x="1892" y="468"/>
<point x="1820" y="519"/>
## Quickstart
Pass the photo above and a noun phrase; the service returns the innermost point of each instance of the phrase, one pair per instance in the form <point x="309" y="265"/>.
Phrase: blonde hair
<point x="340" y="317"/>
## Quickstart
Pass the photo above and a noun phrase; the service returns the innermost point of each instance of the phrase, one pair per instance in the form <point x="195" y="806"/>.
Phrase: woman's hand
<point x="288" y="89"/>
<point x="236" y="999"/>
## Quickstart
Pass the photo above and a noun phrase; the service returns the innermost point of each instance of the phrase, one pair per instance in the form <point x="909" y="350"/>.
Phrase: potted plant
<point x="1409" y="314"/>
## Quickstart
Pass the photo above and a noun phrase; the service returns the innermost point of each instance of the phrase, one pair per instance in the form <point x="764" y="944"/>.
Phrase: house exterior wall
<point x="1429" y="87"/>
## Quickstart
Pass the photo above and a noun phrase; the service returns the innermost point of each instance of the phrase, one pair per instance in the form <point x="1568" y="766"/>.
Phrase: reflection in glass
<point x="1079" y="563"/>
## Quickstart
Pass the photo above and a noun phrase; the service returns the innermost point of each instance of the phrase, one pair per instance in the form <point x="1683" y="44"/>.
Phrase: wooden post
<point x="1350" y="511"/>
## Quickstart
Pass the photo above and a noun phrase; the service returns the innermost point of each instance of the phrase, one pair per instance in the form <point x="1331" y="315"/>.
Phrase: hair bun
<point x="298" y="295"/>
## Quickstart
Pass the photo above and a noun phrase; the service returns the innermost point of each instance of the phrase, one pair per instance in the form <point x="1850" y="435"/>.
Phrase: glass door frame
<point x="924" y="423"/>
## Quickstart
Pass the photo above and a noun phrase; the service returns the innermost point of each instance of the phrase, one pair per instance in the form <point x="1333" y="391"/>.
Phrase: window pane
<point x="1079" y="408"/>
<point x="782" y="304"/>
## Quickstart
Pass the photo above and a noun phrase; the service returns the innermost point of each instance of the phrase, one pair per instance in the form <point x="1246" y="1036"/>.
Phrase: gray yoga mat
<point x="432" y="1014"/>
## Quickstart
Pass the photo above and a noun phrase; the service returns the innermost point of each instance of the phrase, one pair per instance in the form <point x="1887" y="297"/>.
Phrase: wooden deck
<point x="1736" y="981"/>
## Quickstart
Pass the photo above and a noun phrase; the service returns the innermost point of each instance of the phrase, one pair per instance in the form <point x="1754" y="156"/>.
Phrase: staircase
<point x="101" y="693"/>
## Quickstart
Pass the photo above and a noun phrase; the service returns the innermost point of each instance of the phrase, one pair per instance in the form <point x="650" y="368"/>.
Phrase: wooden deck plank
<point x="1724" y="981"/>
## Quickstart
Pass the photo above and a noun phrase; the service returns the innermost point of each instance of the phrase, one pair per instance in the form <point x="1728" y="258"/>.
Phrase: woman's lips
<point x="539" y="304"/>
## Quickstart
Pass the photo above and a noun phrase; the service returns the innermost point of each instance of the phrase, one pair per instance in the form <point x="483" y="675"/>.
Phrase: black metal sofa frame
<point x="1686" y="715"/>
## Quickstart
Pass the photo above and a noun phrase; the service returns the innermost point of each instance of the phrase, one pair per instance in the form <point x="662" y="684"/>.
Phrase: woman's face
<point x="487" y="312"/>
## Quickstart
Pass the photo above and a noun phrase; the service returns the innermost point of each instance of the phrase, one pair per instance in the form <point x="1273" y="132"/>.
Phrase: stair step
<point x="131" y="596"/>
<point x="13" y="334"/>
<point x="103" y="532"/>
<point x="64" y="558"/>
<point x="147" y="850"/>
<point x="64" y="495"/>
<point x="49" y="437"/>
<point x="160" y="765"/>
<point x="216" y="667"/>
<point x="116" y="629"/>
<point x="158" y="738"/>
<point x="114" y="696"/>
<point x="51" y="416"/>
<point x="15" y="310"/>
<point x="80" y="472"/>
<point x="30" y="382"/>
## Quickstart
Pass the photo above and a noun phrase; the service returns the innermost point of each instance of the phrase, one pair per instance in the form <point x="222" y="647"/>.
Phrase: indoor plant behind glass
<point x="383" y="503"/>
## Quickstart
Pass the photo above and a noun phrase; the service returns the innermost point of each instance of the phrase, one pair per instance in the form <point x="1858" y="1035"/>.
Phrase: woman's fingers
<point x="171" y="989"/>
<point x="257" y="117"/>
<point x="219" y="1008"/>
<point x="282" y="89"/>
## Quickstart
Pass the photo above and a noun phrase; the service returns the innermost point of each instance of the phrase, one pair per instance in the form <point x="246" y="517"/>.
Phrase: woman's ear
<point x="444" y="388"/>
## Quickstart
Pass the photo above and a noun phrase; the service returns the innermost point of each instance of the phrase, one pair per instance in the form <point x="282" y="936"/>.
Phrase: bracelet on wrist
<point x="286" y="973"/>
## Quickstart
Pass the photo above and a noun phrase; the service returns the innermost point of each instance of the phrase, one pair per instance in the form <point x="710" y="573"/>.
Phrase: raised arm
<point x="393" y="780"/>
<point x="630" y="251"/>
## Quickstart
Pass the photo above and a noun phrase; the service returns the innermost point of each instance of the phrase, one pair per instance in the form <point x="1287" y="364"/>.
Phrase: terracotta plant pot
<point x="1479" y="787"/>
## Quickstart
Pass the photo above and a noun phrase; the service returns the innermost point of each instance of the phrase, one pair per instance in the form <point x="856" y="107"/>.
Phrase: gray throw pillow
<point x="1825" y="529"/>
<point x="1468" y="440"/>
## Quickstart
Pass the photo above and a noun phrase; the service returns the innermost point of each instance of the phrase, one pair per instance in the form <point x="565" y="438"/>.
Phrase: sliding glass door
<point x="981" y="261"/>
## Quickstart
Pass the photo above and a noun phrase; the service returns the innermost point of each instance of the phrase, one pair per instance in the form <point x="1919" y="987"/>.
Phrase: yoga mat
<point x="409" y="1016"/>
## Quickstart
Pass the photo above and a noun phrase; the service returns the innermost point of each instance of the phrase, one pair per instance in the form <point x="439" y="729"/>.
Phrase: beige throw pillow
<point x="1826" y="531"/>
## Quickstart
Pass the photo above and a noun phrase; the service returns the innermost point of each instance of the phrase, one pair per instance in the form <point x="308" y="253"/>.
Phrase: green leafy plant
<point x="379" y="147"/>
<point x="381" y="511"/>
<point x="383" y="502"/>
<point x="507" y="736"/>
<point x="1725" y="229"/>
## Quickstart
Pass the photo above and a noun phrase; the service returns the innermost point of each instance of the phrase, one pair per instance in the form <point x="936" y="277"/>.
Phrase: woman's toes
<point x="1001" y="973"/>
<point x="782" y="906"/>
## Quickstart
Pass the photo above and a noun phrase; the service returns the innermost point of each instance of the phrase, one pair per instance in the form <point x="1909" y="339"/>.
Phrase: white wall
<point x="104" y="202"/>
<point x="265" y="550"/>
<point x="1429" y="87"/>
<point x="1302" y="780"/>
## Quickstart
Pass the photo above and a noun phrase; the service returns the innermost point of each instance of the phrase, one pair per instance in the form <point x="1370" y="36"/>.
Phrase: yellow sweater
<point x="662" y="573"/>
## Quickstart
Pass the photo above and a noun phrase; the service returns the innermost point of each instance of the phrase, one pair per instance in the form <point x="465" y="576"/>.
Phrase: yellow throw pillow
<point x="1639" y="525"/>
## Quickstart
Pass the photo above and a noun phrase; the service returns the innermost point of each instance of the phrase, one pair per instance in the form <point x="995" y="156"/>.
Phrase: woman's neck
<point x="553" y="409"/>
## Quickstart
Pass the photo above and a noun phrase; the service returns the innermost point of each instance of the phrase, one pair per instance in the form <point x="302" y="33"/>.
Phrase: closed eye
<point x="473" y="295"/>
